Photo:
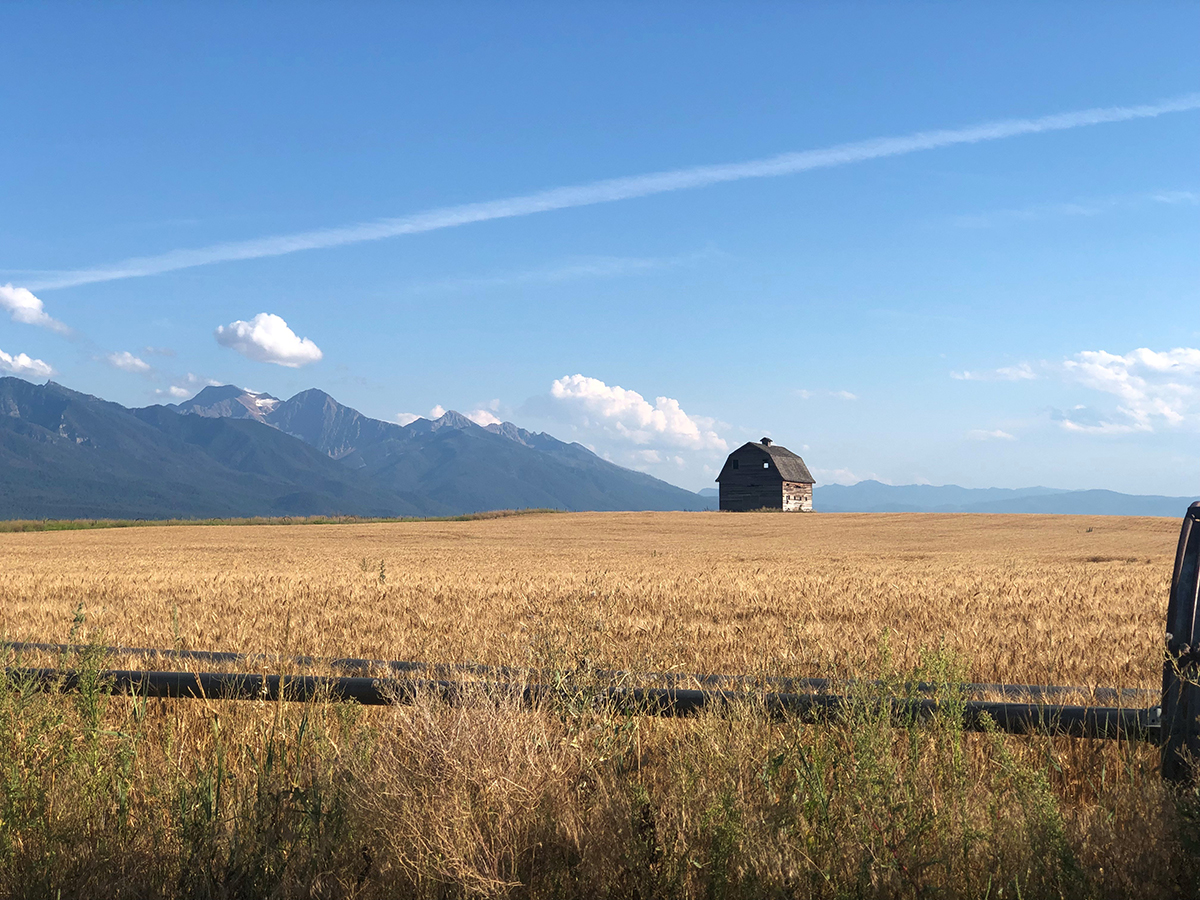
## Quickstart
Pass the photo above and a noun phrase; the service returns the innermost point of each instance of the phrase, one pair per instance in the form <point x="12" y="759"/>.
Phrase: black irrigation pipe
<point x="1014" y="718"/>
<point x="670" y="680"/>
<point x="348" y="664"/>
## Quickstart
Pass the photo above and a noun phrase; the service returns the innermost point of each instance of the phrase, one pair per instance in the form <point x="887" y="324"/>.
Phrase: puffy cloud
<point x="192" y="379"/>
<point x="175" y="392"/>
<point x="980" y="434"/>
<point x="1152" y="388"/>
<point x="127" y="362"/>
<point x="628" y="415"/>
<point x="24" y="365"/>
<point x="267" y="338"/>
<point x="437" y="412"/>
<point x="1020" y="372"/>
<point x="406" y="418"/>
<point x="27" y="309"/>
<point x="483" y="417"/>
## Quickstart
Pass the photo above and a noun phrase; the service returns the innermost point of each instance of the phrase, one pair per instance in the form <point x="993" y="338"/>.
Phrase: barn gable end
<point x="765" y="476"/>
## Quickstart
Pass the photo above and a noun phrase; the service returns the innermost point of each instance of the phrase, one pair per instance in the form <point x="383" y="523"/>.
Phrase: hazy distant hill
<point x="873" y="496"/>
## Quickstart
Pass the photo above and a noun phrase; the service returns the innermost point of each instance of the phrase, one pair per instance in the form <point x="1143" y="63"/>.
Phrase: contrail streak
<point x="610" y="190"/>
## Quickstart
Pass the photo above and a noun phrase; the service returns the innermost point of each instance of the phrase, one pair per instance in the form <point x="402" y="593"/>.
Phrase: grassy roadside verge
<point x="114" y="796"/>
<point x="21" y="525"/>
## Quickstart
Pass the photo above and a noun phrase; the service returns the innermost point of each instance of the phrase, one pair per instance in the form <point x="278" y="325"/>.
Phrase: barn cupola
<point x="766" y="442"/>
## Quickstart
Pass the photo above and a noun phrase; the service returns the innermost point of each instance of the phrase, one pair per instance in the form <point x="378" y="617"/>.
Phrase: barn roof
<point x="790" y="466"/>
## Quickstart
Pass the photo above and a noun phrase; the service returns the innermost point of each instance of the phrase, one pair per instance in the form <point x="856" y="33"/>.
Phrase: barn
<point x="765" y="476"/>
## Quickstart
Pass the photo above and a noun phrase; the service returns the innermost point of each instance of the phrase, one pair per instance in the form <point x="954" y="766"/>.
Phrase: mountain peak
<point x="228" y="401"/>
<point x="508" y="430"/>
<point x="312" y="395"/>
<point x="452" y="419"/>
<point x="215" y="393"/>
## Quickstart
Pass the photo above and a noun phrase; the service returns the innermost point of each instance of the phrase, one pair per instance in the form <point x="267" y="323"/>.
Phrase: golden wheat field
<point x="1033" y="599"/>
<point x="109" y="796"/>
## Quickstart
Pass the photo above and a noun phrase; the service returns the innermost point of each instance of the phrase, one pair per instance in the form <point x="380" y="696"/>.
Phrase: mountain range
<point x="229" y="452"/>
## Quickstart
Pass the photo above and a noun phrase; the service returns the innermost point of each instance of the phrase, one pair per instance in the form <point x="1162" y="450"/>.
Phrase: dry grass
<point x="108" y="796"/>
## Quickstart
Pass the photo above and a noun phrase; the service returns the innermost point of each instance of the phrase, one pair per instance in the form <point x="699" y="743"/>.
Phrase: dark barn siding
<point x="762" y="476"/>
<point x="741" y="494"/>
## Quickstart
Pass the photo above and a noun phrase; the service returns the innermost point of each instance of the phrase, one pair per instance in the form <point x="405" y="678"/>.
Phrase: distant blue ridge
<point x="874" y="496"/>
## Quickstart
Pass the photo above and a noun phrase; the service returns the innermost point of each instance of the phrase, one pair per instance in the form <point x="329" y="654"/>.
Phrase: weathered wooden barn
<point x="764" y="476"/>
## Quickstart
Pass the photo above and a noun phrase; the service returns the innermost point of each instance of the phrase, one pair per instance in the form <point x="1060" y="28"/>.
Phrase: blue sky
<point x="188" y="193"/>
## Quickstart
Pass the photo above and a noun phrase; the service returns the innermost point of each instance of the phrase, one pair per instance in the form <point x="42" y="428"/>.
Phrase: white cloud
<point x="1033" y="213"/>
<point x="1088" y="207"/>
<point x="645" y="460"/>
<point x="1152" y="387"/>
<point x="629" y="416"/>
<point x="482" y="417"/>
<point x="1085" y="420"/>
<point x="437" y="412"/>
<point x="267" y="338"/>
<point x="1020" y="372"/>
<point x="571" y="270"/>
<point x="27" y="309"/>
<point x="174" y="391"/>
<point x="24" y="365"/>
<point x="837" y="395"/>
<point x="1191" y="198"/>
<point x="127" y="362"/>
<point x="980" y="434"/>
<point x="193" y="379"/>
<point x="406" y="418"/>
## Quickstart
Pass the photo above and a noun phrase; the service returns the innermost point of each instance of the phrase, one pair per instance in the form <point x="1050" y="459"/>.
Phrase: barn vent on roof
<point x="765" y="476"/>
